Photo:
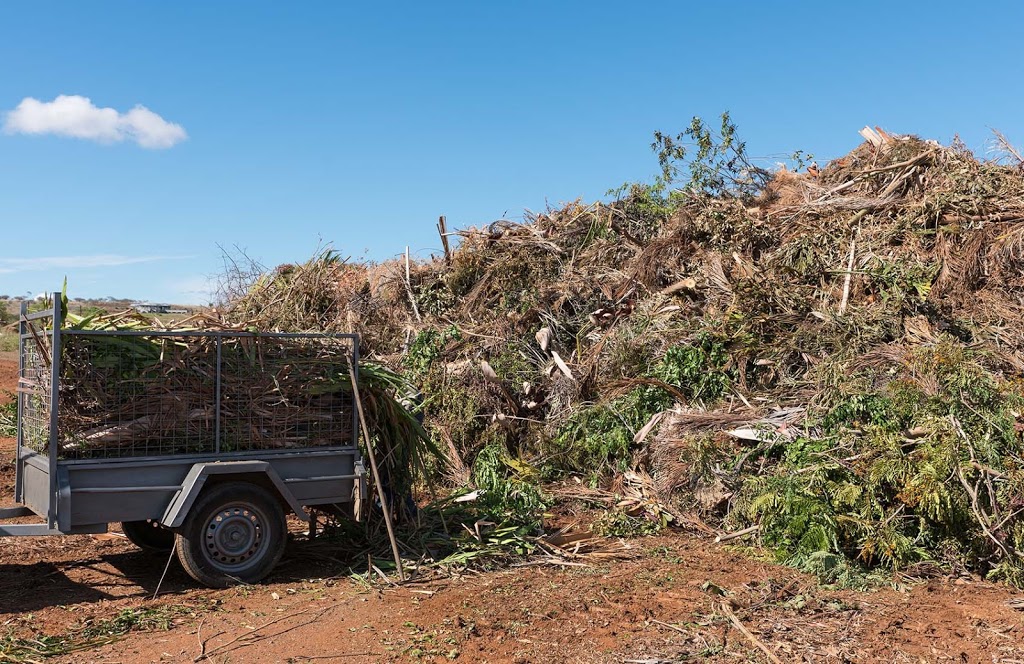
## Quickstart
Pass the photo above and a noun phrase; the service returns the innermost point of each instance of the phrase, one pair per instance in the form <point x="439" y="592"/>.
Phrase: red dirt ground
<point x="8" y="378"/>
<point x="661" y="605"/>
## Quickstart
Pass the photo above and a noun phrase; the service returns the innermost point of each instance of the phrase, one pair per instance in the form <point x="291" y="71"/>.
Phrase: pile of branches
<point x="824" y="359"/>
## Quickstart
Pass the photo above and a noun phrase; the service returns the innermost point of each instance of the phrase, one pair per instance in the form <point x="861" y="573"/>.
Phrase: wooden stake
<point x="442" y="230"/>
<point x="408" y="288"/>
<point x="737" y="534"/>
<point x="376" y="474"/>
<point x="849" y="275"/>
<point x="849" y="266"/>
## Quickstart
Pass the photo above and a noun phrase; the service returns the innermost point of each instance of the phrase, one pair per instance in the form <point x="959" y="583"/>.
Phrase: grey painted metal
<point x="99" y="491"/>
<point x="201" y="333"/>
<point x="355" y="411"/>
<point x="364" y="491"/>
<point x="324" y="478"/>
<point x="41" y="529"/>
<point x="51" y="513"/>
<point x="127" y="489"/>
<point x="18" y="483"/>
<point x="193" y="484"/>
<point x="30" y="449"/>
<point x="39" y="315"/>
<point x="36" y="471"/>
<point x="223" y="456"/>
<point x="216" y="414"/>
<point x="62" y="502"/>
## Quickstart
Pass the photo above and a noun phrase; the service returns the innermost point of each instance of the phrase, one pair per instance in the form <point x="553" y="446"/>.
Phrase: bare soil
<point x="8" y="377"/>
<point x="671" y="601"/>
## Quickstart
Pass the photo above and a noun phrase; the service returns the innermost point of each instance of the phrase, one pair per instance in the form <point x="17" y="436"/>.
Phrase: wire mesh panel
<point x="134" y="395"/>
<point x="34" y="387"/>
<point x="131" y="394"/>
<point x="282" y="393"/>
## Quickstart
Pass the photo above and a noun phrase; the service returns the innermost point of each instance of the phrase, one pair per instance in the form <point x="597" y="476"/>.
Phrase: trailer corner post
<point x="216" y="399"/>
<point x="58" y="322"/>
<point x="22" y="331"/>
<point x="355" y="411"/>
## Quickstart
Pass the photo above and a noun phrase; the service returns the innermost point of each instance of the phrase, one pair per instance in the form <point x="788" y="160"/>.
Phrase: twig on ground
<point x="725" y="537"/>
<point x="750" y="637"/>
<point x="340" y="655"/>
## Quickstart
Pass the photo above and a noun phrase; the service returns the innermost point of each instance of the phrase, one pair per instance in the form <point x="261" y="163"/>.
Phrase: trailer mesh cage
<point x="142" y="393"/>
<point x="34" y="386"/>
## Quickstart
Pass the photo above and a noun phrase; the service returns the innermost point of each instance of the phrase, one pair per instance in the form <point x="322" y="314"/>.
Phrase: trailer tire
<point x="234" y="533"/>
<point x="148" y="535"/>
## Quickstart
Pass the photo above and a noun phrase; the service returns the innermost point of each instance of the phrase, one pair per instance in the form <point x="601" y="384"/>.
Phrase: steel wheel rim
<point x="234" y="537"/>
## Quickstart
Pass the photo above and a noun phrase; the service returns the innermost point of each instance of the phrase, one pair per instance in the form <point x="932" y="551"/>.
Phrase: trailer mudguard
<point x="197" y="477"/>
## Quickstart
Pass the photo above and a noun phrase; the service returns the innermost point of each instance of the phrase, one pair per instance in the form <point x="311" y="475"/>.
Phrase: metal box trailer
<point x="215" y="481"/>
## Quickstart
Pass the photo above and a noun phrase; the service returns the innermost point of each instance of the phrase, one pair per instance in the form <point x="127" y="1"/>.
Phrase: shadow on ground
<point x="37" y="584"/>
<point x="33" y="586"/>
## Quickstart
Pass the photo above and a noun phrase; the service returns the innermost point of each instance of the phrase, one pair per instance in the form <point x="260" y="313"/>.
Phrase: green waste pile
<point x="827" y="360"/>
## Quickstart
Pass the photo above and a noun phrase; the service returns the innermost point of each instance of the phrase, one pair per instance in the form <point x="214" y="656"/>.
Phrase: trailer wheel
<point x="148" y="535"/>
<point x="234" y="533"/>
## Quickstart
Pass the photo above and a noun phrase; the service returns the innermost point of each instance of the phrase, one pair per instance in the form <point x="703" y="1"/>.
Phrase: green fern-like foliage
<point x="927" y="461"/>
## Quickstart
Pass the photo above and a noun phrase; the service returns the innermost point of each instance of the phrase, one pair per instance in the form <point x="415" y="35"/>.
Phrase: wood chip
<point x="689" y="284"/>
<point x="562" y="366"/>
<point x="543" y="337"/>
<point x="642" y="434"/>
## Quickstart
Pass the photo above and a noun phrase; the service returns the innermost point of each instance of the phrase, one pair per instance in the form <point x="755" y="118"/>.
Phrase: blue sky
<point x="359" y="124"/>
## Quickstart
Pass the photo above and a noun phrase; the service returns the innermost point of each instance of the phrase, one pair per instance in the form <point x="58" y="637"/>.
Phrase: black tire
<point x="234" y="533"/>
<point x="148" y="535"/>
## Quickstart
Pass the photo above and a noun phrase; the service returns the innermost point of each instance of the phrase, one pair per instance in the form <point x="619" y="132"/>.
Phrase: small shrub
<point x="644" y="210"/>
<point x="427" y="347"/>
<point x="719" y="168"/>
<point x="507" y="496"/>
<point x="593" y="441"/>
<point x="700" y="369"/>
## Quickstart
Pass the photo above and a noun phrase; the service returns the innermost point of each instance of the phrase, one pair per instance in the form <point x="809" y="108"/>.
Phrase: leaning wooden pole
<point x="376" y="473"/>
<point x="408" y="288"/>
<point x="442" y="230"/>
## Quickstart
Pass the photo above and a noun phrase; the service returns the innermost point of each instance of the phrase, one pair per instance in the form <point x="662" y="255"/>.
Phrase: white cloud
<point x="78" y="117"/>
<point x="13" y="265"/>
